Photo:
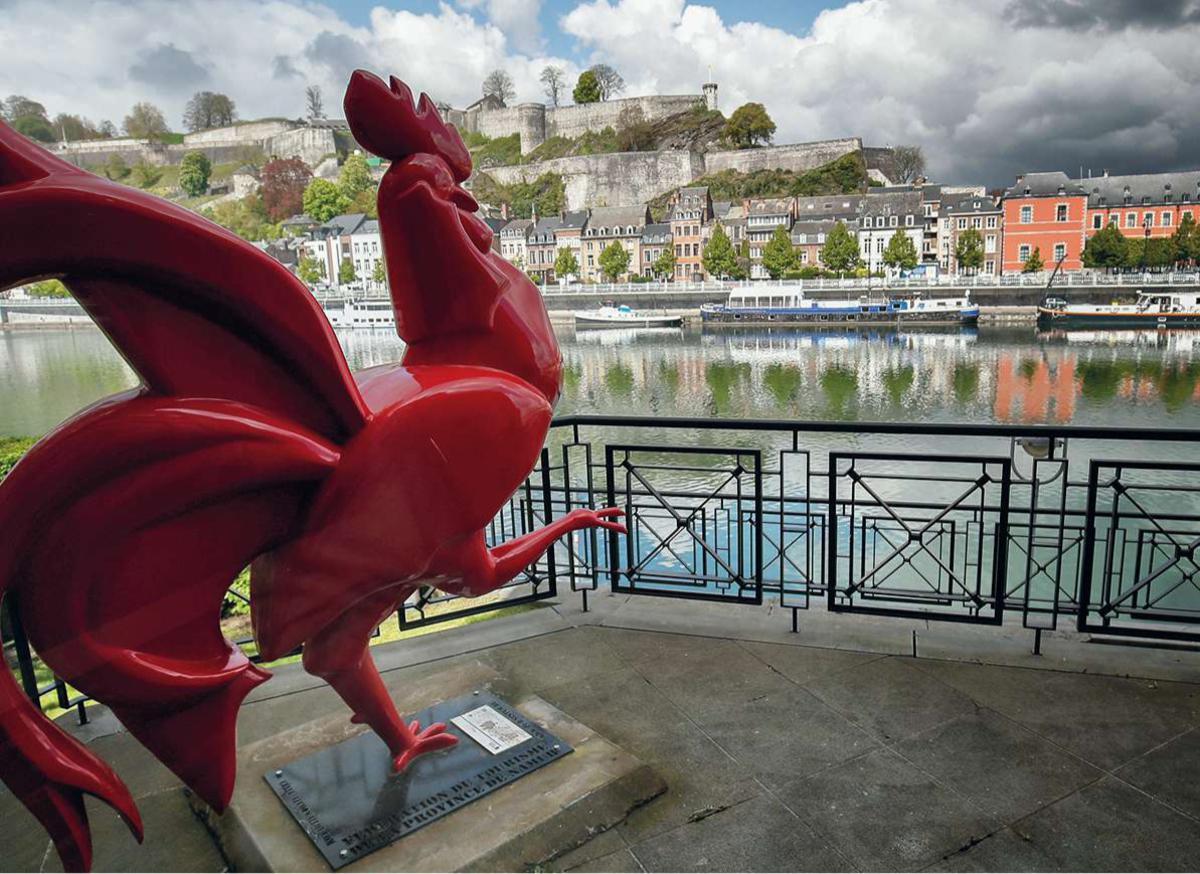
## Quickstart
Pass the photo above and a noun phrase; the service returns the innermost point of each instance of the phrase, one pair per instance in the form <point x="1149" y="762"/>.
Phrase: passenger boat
<point x="624" y="317"/>
<point x="361" y="313"/>
<point x="766" y="305"/>
<point x="1152" y="309"/>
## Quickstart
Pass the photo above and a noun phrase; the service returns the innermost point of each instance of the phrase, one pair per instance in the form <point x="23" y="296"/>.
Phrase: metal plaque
<point x="349" y="803"/>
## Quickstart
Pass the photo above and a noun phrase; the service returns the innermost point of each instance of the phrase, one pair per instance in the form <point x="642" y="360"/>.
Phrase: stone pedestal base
<point x="537" y="818"/>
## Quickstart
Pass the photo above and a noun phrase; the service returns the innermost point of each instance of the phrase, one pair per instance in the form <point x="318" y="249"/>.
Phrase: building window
<point x="893" y="221"/>
<point x="908" y="221"/>
<point x="1026" y="215"/>
<point x="867" y="222"/>
<point x="1023" y="253"/>
<point x="678" y="250"/>
<point x="1060" y="213"/>
<point x="1097" y="219"/>
<point x="1148" y="220"/>
<point x="1131" y="219"/>
<point x="991" y="221"/>
<point x="976" y="223"/>
<point x="962" y="224"/>
<point x="1166" y="220"/>
<point x="1060" y="252"/>
<point x="989" y="245"/>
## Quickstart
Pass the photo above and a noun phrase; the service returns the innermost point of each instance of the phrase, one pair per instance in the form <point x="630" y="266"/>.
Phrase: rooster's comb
<point x="385" y="122"/>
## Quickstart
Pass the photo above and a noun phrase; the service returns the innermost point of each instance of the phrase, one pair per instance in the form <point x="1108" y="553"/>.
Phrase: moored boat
<point x="624" y="317"/>
<point x="767" y="305"/>
<point x="1152" y="309"/>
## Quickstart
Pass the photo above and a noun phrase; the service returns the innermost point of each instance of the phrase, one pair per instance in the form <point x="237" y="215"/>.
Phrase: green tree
<point x="355" y="177"/>
<point x="968" y="251"/>
<point x="840" y="252"/>
<point x="309" y="269"/>
<point x="1106" y="249"/>
<point x="778" y="255"/>
<point x="900" y="252"/>
<point x="1186" y="241"/>
<point x="194" y="170"/>
<point x="145" y="122"/>
<point x="28" y="117"/>
<point x="566" y="264"/>
<point x="379" y="274"/>
<point x="664" y="265"/>
<point x="346" y="271"/>
<point x="719" y="259"/>
<point x="48" y="288"/>
<point x="614" y="261"/>
<point x="587" y="89"/>
<point x="115" y="168"/>
<point x="74" y="128"/>
<point x="749" y="126"/>
<point x="323" y="200"/>
<point x="1034" y="262"/>
<point x="247" y="218"/>
<point x="207" y="109"/>
<point x="145" y="175"/>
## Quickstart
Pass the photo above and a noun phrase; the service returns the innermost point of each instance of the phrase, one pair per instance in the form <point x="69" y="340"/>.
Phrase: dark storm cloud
<point x="1106" y="14"/>
<point x="168" y="68"/>
<point x="338" y="53"/>
<point x="282" y="68"/>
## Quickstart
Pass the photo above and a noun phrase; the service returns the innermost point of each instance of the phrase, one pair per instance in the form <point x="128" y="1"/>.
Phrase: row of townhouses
<point x="1044" y="212"/>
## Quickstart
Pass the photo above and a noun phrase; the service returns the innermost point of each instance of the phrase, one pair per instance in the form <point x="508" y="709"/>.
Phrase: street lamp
<point x="1146" y="222"/>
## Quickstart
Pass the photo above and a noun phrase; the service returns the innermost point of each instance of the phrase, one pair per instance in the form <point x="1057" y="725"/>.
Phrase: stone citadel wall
<point x="310" y="144"/>
<point x="625" y="178"/>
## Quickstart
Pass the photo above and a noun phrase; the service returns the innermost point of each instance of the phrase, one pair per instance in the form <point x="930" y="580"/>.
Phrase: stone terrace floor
<point x="832" y="749"/>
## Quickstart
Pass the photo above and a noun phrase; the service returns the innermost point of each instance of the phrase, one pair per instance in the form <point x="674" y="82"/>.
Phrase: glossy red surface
<point x="251" y="443"/>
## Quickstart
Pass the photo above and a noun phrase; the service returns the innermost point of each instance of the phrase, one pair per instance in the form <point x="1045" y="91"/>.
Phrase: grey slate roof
<point x="825" y="205"/>
<point x="577" y="219"/>
<point x="969" y="203"/>
<point x="771" y="206"/>
<point x="1142" y="188"/>
<point x="893" y="203"/>
<point x="517" y="228"/>
<point x="370" y="226"/>
<point x="543" y="231"/>
<point x="1048" y="184"/>
<point x="343" y="225"/>
<point x="496" y="224"/>
<point x="609" y="217"/>
<point x="656" y="233"/>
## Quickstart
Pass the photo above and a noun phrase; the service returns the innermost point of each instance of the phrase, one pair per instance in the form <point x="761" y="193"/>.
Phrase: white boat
<point x="766" y="304"/>
<point x="361" y="313"/>
<point x="1153" y="309"/>
<point x="624" y="317"/>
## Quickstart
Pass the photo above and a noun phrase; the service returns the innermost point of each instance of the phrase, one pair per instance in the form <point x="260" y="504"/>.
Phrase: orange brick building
<point x="1153" y="201"/>
<point x="1044" y="212"/>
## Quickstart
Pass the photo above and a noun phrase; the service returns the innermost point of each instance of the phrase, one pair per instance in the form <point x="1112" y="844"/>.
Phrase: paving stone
<point x="803" y="664"/>
<point x="570" y="656"/>
<point x="607" y="843"/>
<point x="1004" y="850"/>
<point x="1170" y="773"/>
<point x="24" y="841"/>
<point x="756" y="835"/>
<point x="175" y="839"/>
<point x="618" y="862"/>
<point x="1110" y="826"/>
<point x="785" y="734"/>
<point x="890" y="698"/>
<point x="1003" y="767"/>
<point x="135" y="765"/>
<point x="1106" y="720"/>
<point x="884" y="814"/>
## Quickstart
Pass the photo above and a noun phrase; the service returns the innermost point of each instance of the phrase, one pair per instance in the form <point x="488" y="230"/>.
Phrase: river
<point x="995" y="374"/>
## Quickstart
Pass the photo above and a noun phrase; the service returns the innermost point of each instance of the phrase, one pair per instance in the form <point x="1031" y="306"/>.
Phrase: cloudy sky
<point x="987" y="87"/>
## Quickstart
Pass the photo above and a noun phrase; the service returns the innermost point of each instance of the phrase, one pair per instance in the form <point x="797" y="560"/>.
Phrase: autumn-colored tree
<point x="282" y="184"/>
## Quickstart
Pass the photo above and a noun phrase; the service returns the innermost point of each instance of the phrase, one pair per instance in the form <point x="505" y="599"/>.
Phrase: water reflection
<point x="989" y="375"/>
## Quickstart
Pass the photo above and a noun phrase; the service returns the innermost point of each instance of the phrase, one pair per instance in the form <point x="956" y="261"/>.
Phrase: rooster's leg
<point x="340" y="655"/>
<point x="486" y="569"/>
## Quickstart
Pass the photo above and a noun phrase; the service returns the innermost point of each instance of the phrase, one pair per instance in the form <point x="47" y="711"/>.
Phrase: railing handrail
<point x="1077" y="432"/>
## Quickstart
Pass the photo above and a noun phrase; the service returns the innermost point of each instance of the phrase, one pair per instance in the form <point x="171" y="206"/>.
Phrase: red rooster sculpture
<point x="250" y="441"/>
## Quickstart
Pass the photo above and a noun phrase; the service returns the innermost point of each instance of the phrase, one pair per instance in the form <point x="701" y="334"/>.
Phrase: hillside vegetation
<point x="698" y="129"/>
<point x="845" y="175"/>
<point x="547" y="191"/>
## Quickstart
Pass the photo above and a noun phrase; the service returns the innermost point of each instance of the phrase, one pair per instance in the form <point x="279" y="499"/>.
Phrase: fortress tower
<point x="710" y="95"/>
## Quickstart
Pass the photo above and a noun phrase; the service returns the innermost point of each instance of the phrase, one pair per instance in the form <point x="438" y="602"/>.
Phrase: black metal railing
<point x="1036" y="526"/>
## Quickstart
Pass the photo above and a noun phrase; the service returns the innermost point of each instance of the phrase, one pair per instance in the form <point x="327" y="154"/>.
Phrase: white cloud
<point x="99" y="57"/>
<point x="989" y="88"/>
<point x="985" y="98"/>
